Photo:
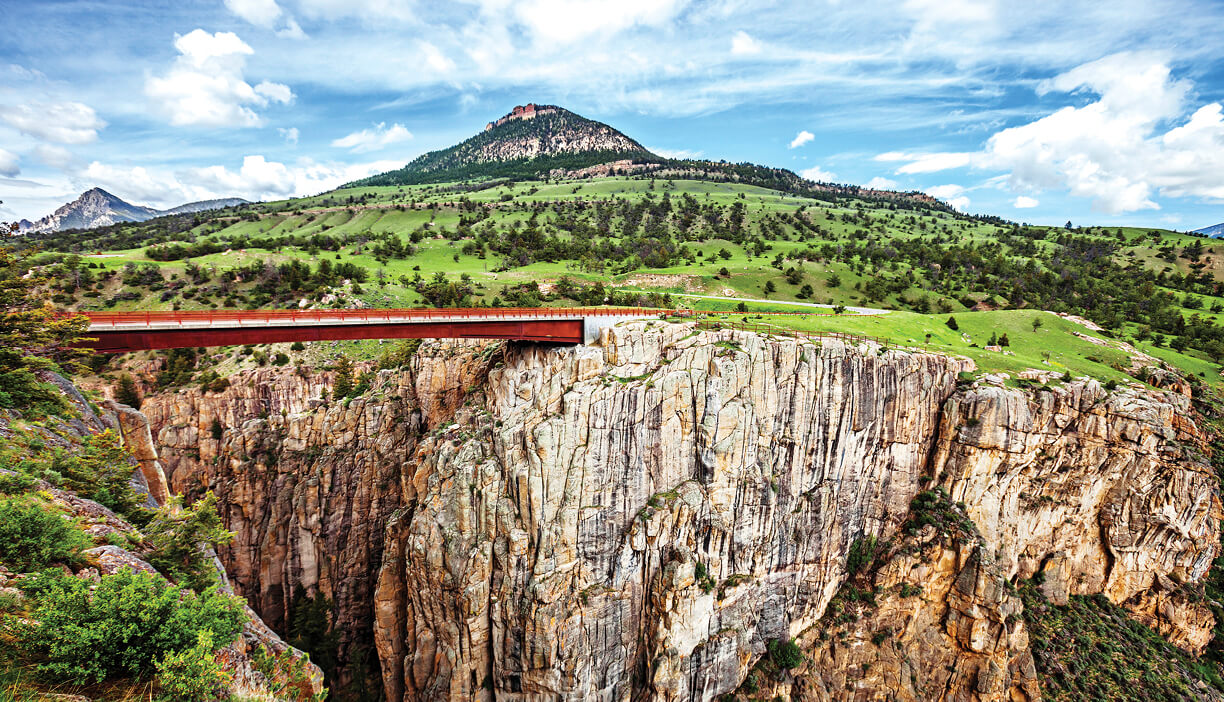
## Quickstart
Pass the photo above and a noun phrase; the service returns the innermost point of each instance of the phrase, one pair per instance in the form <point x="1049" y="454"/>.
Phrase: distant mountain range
<point x="98" y="208"/>
<point x="1214" y="230"/>
<point x="542" y="141"/>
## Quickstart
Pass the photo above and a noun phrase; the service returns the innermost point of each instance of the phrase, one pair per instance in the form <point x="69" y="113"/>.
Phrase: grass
<point x="433" y="209"/>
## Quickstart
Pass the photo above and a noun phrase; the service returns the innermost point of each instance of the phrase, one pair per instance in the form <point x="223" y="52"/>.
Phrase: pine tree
<point x="343" y="385"/>
<point x="126" y="393"/>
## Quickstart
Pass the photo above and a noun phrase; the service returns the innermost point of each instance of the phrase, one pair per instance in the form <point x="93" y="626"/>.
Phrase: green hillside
<point x="695" y="243"/>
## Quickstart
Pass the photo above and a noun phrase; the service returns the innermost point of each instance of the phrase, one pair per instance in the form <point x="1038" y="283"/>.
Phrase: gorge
<point x="656" y="515"/>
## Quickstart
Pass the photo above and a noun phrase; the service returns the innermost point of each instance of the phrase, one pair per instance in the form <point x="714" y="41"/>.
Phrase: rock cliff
<point x="639" y="519"/>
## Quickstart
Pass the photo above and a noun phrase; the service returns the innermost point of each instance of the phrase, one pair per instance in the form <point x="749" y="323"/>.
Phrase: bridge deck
<point x="131" y="331"/>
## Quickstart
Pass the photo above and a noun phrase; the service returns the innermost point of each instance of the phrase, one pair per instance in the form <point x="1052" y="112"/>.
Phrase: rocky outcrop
<point x="639" y="519"/>
<point x="306" y="484"/>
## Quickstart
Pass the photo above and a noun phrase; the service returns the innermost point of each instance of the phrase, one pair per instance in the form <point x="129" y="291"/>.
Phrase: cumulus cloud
<point x="60" y="122"/>
<point x="266" y="14"/>
<point x="206" y="87"/>
<point x="1023" y="202"/>
<point x="675" y="153"/>
<point x="380" y="137"/>
<point x="256" y="179"/>
<point x="1113" y="149"/>
<point x="818" y="174"/>
<point x="952" y="194"/>
<point x="801" y="138"/>
<point x="260" y="179"/>
<point x="880" y="183"/>
<point x="9" y="164"/>
<point x="742" y="44"/>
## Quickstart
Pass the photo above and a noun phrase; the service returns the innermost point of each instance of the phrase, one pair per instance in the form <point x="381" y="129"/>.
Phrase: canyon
<point x="644" y="518"/>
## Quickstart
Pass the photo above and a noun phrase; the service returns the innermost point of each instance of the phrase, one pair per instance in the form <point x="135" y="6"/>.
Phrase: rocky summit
<point x="528" y="140"/>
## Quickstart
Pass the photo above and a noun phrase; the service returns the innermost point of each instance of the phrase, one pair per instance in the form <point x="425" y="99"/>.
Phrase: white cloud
<point x="927" y="162"/>
<point x="675" y="153"/>
<point x="266" y="13"/>
<point x="435" y="59"/>
<point x="570" y="21"/>
<point x="206" y="87"/>
<point x="54" y="156"/>
<point x="1023" y="203"/>
<point x="60" y="122"/>
<point x="742" y="44"/>
<point x="290" y="135"/>
<point x="262" y="13"/>
<point x="801" y="138"/>
<point x="1111" y="150"/>
<point x="818" y="174"/>
<point x="257" y="179"/>
<point x="9" y="164"/>
<point x="380" y="137"/>
<point x="952" y="194"/>
<point x="879" y="183"/>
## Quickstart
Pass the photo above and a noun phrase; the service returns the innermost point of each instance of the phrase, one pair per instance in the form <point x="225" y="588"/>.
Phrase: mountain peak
<point x="98" y="208"/>
<point x="528" y="140"/>
<point x="524" y="112"/>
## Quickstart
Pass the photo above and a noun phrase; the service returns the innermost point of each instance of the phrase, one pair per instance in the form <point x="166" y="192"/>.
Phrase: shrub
<point x="952" y="324"/>
<point x="121" y="627"/>
<point x="400" y="356"/>
<point x="126" y="392"/>
<point x="33" y="536"/>
<point x="862" y="554"/>
<point x="785" y="654"/>
<point x="193" y="675"/>
<point x="183" y="540"/>
<point x="102" y="471"/>
<point x="216" y="430"/>
<point x="15" y="483"/>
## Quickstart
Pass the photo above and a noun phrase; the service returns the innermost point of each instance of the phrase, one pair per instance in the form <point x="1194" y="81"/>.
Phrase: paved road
<point x="849" y="310"/>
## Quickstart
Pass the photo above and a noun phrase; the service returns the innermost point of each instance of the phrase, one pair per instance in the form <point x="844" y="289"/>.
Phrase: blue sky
<point x="1104" y="113"/>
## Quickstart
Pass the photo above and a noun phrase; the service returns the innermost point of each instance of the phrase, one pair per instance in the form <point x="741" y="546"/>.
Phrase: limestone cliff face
<point x="637" y="519"/>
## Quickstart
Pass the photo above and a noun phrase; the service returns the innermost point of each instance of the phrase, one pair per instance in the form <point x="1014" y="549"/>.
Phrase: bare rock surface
<point x="638" y="519"/>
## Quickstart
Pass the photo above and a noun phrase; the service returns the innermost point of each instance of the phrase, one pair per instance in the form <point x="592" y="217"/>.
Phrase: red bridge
<point x="117" y="332"/>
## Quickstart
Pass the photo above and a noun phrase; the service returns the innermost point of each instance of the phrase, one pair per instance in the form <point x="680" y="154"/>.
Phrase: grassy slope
<point x="749" y="275"/>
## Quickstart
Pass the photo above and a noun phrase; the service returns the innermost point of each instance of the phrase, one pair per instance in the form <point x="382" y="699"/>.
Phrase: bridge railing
<point x="225" y="318"/>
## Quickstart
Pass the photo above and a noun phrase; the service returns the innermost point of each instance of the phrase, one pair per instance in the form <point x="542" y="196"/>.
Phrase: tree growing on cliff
<point x="185" y="539"/>
<point x="342" y="387"/>
<point x="126" y="392"/>
<point x="35" y="338"/>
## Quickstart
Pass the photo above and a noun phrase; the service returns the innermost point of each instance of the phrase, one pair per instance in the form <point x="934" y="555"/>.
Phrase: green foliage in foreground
<point x="120" y="628"/>
<point x="184" y="541"/>
<point x="34" y="536"/>
<point x="192" y="674"/>
<point x="1089" y="649"/>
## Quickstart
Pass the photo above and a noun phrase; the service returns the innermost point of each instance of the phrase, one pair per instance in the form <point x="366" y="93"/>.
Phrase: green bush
<point x="862" y="554"/>
<point x="34" y="536"/>
<point x="121" y="627"/>
<point x="15" y="483"/>
<point x="193" y="675"/>
<point x="182" y="540"/>
<point x="785" y="654"/>
<point x="102" y="471"/>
